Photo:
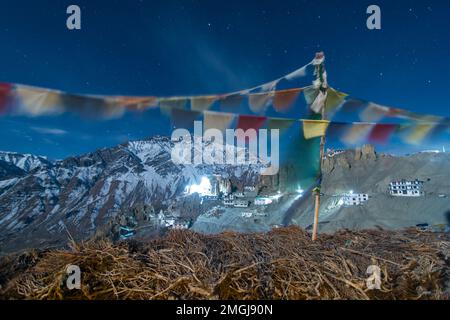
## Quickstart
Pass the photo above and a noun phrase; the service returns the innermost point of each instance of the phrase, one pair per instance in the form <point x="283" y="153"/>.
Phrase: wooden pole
<point x="316" y="216"/>
<point x="319" y="73"/>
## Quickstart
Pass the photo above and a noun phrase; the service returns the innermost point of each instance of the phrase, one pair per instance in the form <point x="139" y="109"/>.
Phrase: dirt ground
<point x="281" y="264"/>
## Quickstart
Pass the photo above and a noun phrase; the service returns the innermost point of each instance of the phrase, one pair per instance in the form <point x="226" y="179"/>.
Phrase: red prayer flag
<point x="381" y="132"/>
<point x="5" y="95"/>
<point x="250" y="122"/>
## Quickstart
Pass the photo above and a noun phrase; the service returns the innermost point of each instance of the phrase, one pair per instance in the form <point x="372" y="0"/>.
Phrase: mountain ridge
<point x="82" y="193"/>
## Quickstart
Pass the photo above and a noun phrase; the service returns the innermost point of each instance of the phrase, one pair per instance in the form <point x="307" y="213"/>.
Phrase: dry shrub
<point x="281" y="264"/>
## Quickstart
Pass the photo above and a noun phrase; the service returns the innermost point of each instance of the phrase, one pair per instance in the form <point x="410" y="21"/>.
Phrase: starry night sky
<point x="198" y="47"/>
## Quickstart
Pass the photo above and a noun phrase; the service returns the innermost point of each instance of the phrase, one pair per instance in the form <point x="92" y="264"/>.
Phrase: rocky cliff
<point x="365" y="171"/>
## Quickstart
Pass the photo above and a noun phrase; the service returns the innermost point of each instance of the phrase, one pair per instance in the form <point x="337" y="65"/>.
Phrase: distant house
<point x="228" y="202"/>
<point x="355" y="199"/>
<point x="239" y="195"/>
<point x="405" y="188"/>
<point x="241" y="204"/>
<point x="262" y="201"/>
<point x="250" y="188"/>
<point x="181" y="225"/>
<point x="229" y="197"/>
<point x="247" y="214"/>
<point x="331" y="153"/>
<point x="169" y="222"/>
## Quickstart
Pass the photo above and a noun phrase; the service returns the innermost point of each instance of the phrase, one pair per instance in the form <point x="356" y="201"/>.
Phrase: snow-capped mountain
<point x="8" y="170"/>
<point x="26" y="162"/>
<point x="82" y="193"/>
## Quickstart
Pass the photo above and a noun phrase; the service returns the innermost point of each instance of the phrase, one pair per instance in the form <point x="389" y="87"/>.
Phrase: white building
<point x="169" y="222"/>
<point x="241" y="204"/>
<point x="331" y="152"/>
<point x="180" y="225"/>
<point x="205" y="188"/>
<point x="354" y="199"/>
<point x="247" y="214"/>
<point x="262" y="201"/>
<point x="229" y="197"/>
<point x="250" y="188"/>
<point x="405" y="188"/>
<point x="228" y="202"/>
<point x="239" y="195"/>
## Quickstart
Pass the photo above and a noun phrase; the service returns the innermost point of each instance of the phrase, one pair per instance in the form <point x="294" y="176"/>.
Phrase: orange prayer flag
<point x="284" y="99"/>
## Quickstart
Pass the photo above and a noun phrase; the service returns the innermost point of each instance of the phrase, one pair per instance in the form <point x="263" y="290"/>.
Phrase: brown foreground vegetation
<point x="281" y="264"/>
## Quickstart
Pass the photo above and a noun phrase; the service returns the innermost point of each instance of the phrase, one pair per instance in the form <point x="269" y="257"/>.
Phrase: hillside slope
<point x="364" y="171"/>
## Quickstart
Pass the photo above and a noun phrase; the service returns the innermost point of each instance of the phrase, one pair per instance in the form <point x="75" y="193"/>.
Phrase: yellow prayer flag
<point x="259" y="101"/>
<point x="334" y="99"/>
<point x="419" y="132"/>
<point x="202" y="103"/>
<point x="217" y="120"/>
<point x="35" y="101"/>
<point x="314" y="128"/>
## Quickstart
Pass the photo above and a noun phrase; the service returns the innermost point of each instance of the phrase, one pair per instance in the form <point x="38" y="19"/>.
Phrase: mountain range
<point x="41" y="201"/>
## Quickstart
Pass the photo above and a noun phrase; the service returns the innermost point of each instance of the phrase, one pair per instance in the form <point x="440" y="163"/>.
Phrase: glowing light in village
<point x="204" y="188"/>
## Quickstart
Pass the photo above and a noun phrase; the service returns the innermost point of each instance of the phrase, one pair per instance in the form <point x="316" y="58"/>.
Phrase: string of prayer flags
<point x="271" y="86"/>
<point x="372" y="112"/>
<point x="91" y="107"/>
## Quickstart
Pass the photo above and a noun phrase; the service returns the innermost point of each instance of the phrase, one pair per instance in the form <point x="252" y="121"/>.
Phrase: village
<point x="252" y="205"/>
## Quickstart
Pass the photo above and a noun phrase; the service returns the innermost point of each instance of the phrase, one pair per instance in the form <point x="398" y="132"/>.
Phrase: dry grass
<point x="283" y="264"/>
